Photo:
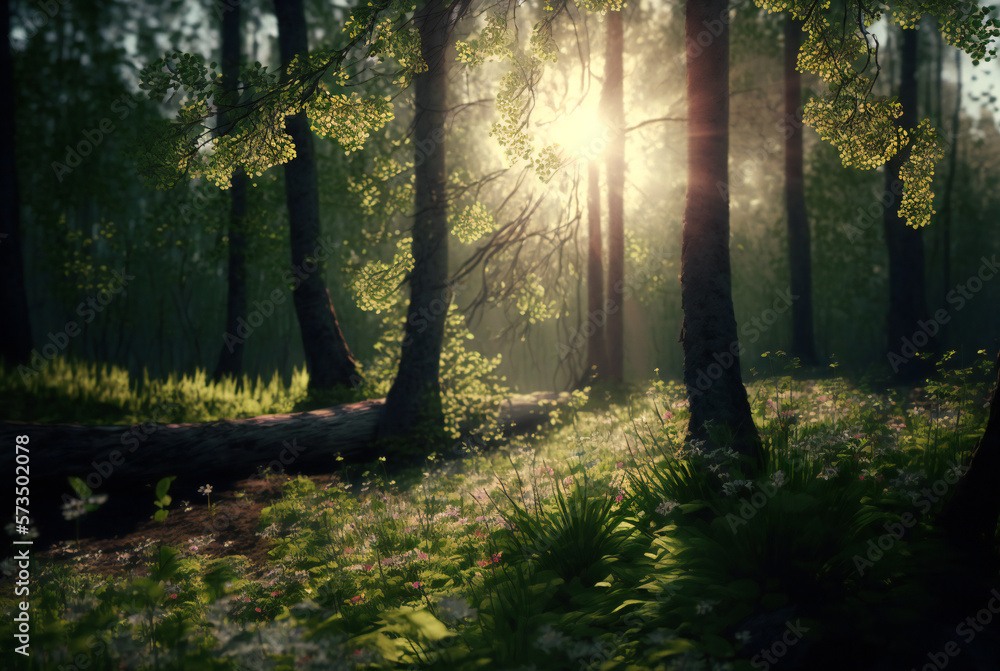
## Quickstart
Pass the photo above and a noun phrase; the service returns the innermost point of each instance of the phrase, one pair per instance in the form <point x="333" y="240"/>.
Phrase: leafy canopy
<point x="841" y="50"/>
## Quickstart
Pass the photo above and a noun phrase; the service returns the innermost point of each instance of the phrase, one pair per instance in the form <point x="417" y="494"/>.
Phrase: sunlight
<point x="581" y="134"/>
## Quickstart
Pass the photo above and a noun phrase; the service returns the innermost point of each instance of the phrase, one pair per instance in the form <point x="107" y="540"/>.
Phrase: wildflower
<point x="358" y="598"/>
<point x="496" y="557"/>
<point x="828" y="472"/>
<point x="665" y="507"/>
<point x="620" y="496"/>
<point x="416" y="585"/>
<point x="567" y="481"/>
<point x="704" y="607"/>
<point x="778" y="479"/>
<point x="620" y="464"/>
<point x="550" y="639"/>
<point x="193" y="548"/>
<point x="743" y="636"/>
<point x="73" y="508"/>
<point x="667" y="416"/>
<point x="205" y="489"/>
<point x="454" y="608"/>
<point x="173" y="596"/>
<point x="257" y="609"/>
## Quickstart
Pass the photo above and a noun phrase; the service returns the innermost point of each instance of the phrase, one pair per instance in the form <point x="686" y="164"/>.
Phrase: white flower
<point x="778" y="479"/>
<point x="665" y="507"/>
<point x="704" y="607"/>
<point x="454" y="608"/>
<point x="205" y="489"/>
<point x="73" y="508"/>
<point x="743" y="636"/>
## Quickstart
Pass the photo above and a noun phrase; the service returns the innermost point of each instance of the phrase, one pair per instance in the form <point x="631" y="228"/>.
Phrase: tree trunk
<point x="949" y="188"/>
<point x="711" y="348"/>
<point x="907" y="301"/>
<point x="799" y="252"/>
<point x="231" y="355"/>
<point x="971" y="514"/>
<point x="414" y="401"/>
<point x="614" y="109"/>
<point x="596" y="348"/>
<point x="328" y="358"/>
<point x="15" y="334"/>
<point x="125" y="461"/>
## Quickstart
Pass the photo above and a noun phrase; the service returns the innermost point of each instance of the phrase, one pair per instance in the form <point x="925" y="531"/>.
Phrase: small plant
<point x="87" y="502"/>
<point x="162" y="498"/>
<point x="207" y="491"/>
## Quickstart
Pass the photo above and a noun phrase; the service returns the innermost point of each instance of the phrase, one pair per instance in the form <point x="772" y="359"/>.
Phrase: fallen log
<point x="117" y="457"/>
<point x="126" y="461"/>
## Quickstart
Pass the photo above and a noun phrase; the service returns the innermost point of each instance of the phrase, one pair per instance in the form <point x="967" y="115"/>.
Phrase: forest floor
<point x="191" y="527"/>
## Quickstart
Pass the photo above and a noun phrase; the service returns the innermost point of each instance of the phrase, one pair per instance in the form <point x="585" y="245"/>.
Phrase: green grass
<point x="606" y="543"/>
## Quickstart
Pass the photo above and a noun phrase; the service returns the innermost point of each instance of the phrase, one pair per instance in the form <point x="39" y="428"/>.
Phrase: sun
<point x="580" y="134"/>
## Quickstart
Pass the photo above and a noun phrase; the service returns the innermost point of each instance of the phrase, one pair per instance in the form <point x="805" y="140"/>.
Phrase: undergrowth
<point x="608" y="543"/>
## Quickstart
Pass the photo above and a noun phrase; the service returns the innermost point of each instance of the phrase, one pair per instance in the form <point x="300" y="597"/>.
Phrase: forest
<point x="507" y="334"/>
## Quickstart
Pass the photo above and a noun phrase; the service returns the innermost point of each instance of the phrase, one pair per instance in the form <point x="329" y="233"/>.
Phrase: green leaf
<point x="163" y="486"/>
<point x="80" y="487"/>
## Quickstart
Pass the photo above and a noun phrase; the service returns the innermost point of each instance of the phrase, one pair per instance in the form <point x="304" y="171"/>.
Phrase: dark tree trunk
<point x="614" y="108"/>
<point x="596" y="348"/>
<point x="231" y="355"/>
<point x="907" y="301"/>
<point x="799" y="252"/>
<point x="970" y="516"/>
<point x="949" y="188"/>
<point x="15" y="334"/>
<point x="328" y="358"/>
<point x="414" y="401"/>
<point x="125" y="461"/>
<point x="711" y="348"/>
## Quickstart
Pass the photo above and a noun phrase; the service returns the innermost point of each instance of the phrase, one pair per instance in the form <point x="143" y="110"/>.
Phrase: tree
<point x="596" y="346"/>
<point x="414" y="400"/>
<point x="799" y="252"/>
<point x="15" y="336"/>
<point x="328" y="358"/>
<point x="720" y="411"/>
<point x="231" y="355"/>
<point x="907" y="285"/>
<point x="612" y="100"/>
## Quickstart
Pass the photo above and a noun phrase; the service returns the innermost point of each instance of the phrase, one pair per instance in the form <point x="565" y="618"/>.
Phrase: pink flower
<point x="620" y="464"/>
<point x="257" y="609"/>
<point x="417" y="585"/>
<point x="667" y="416"/>
<point x="173" y="596"/>
<point x="621" y="495"/>
<point x="357" y="599"/>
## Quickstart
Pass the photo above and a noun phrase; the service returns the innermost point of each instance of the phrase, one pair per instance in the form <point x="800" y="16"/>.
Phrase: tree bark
<point x="596" y="347"/>
<point x="328" y="358"/>
<point x="711" y="348"/>
<point x="799" y="251"/>
<point x="414" y="401"/>
<point x="907" y="286"/>
<point x="230" y="360"/>
<point x="614" y="108"/>
<point x="15" y="334"/>
<point x="949" y="189"/>
<point x="126" y="461"/>
<point x="971" y="515"/>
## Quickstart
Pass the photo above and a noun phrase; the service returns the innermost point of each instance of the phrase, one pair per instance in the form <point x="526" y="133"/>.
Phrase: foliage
<point x="563" y="550"/>
<point x="862" y="126"/>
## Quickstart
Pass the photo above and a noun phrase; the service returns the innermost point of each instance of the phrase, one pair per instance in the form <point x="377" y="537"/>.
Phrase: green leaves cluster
<point x="863" y="127"/>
